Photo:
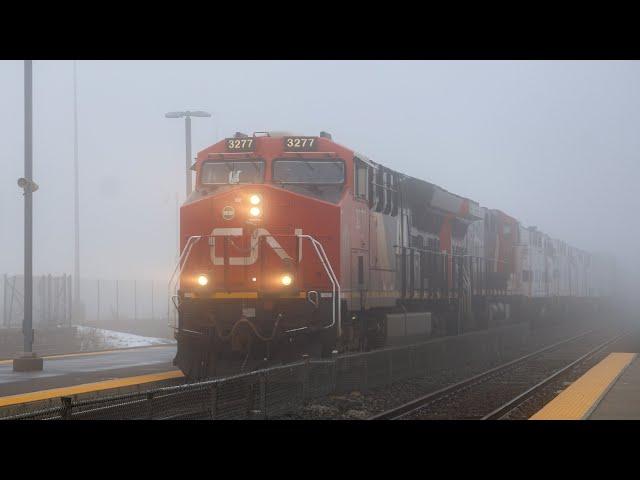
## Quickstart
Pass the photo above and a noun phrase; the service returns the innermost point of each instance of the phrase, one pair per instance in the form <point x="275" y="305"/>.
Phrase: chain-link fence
<point x="51" y="300"/>
<point x="278" y="390"/>
<point x="134" y="306"/>
<point x="138" y="306"/>
<point x="105" y="299"/>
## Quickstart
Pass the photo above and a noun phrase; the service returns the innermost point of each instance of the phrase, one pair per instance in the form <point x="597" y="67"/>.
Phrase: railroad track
<point x="491" y="395"/>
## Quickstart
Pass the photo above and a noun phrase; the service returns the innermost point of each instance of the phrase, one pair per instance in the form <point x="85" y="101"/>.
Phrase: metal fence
<point x="123" y="299"/>
<point x="102" y="300"/>
<point x="278" y="390"/>
<point x="135" y="306"/>
<point x="51" y="300"/>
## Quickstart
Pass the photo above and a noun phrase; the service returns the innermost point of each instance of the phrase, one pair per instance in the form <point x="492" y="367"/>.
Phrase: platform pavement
<point x="609" y="390"/>
<point x="76" y="369"/>
<point x="622" y="401"/>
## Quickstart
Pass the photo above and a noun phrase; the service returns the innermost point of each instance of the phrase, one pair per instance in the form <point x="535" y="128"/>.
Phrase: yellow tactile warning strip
<point x="99" y="352"/>
<point x="87" y="388"/>
<point x="583" y="395"/>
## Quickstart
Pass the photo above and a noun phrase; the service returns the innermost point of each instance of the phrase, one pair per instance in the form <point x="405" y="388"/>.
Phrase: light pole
<point x="28" y="361"/>
<point x="187" y="130"/>
<point x="77" y="310"/>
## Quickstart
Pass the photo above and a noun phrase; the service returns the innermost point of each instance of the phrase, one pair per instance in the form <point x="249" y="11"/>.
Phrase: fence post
<point x="365" y="373"/>
<point x="150" y="404"/>
<point x="62" y="298"/>
<point x="334" y="371"/>
<point x="263" y="395"/>
<point x="55" y="284"/>
<point x="305" y="377"/>
<point x="412" y="362"/>
<point x="214" y="402"/>
<point x="250" y="398"/>
<point x="40" y="285"/>
<point x="50" y="304"/>
<point x="117" y="303"/>
<point x="69" y="300"/>
<point x="135" y="300"/>
<point x="66" y="408"/>
<point x="42" y="294"/>
<point x="98" y="307"/>
<point x="5" y="317"/>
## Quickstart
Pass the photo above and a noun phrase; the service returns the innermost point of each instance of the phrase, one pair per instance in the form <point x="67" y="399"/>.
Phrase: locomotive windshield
<point x="316" y="178"/>
<point x="232" y="172"/>
<point x="308" y="171"/>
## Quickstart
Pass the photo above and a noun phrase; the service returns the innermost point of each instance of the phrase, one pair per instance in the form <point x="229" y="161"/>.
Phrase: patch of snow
<point x="101" y="338"/>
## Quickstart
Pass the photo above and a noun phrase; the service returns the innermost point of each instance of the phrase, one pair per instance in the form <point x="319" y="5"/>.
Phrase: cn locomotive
<point x="296" y="244"/>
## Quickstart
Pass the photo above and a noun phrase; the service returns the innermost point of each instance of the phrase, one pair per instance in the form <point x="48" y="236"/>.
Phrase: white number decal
<point x="299" y="143"/>
<point x="237" y="144"/>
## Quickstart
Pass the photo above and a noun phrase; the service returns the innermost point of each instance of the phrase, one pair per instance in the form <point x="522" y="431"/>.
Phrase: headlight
<point x="203" y="280"/>
<point x="286" y="280"/>
<point x="255" y="199"/>
<point x="255" y="211"/>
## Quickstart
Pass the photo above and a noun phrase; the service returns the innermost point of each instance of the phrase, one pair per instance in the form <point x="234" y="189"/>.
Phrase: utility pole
<point x="28" y="361"/>
<point x="27" y="326"/>
<point x="77" y="310"/>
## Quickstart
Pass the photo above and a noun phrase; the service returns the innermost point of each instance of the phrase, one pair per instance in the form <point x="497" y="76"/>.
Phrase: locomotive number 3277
<point x="240" y="144"/>
<point x="299" y="143"/>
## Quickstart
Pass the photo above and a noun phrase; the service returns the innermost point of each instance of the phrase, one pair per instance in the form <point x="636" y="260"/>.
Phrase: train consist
<point x="296" y="244"/>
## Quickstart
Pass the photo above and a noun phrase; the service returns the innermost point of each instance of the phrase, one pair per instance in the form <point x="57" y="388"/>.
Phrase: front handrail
<point x="182" y="261"/>
<point x="335" y="284"/>
<point x="334" y="281"/>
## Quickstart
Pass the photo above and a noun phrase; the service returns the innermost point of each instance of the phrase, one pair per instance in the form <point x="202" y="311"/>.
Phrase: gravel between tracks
<point x="479" y="399"/>
<point x="359" y="405"/>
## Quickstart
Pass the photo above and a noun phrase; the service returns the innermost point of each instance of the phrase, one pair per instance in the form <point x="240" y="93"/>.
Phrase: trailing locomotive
<point x="296" y="244"/>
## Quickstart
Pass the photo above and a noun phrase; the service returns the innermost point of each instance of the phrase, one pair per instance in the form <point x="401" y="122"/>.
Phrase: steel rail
<point x="420" y="402"/>
<point x="520" y="399"/>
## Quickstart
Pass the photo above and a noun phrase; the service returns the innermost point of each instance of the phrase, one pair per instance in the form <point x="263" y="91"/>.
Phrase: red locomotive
<point x="296" y="244"/>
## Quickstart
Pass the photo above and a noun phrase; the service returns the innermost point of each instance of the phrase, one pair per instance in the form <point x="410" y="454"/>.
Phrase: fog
<point x="554" y="144"/>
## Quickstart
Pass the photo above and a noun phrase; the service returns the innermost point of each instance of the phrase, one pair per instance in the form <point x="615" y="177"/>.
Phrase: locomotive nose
<point x="253" y="246"/>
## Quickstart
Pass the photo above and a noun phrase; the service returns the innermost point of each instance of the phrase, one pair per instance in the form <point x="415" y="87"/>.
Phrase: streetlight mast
<point x="187" y="136"/>
<point x="27" y="325"/>
<point x="187" y="133"/>
<point x="76" y="253"/>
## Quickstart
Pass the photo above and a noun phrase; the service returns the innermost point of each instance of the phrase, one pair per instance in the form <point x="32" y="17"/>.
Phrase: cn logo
<point x="253" y="249"/>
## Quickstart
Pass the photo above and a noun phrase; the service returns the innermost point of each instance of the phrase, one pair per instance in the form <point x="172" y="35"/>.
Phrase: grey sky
<point x="554" y="144"/>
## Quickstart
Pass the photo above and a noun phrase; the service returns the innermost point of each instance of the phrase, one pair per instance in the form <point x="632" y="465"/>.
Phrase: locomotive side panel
<point x="383" y="267"/>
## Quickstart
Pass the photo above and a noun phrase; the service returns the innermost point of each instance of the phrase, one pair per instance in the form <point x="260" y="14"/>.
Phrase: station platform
<point x="608" y="391"/>
<point x="78" y="373"/>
